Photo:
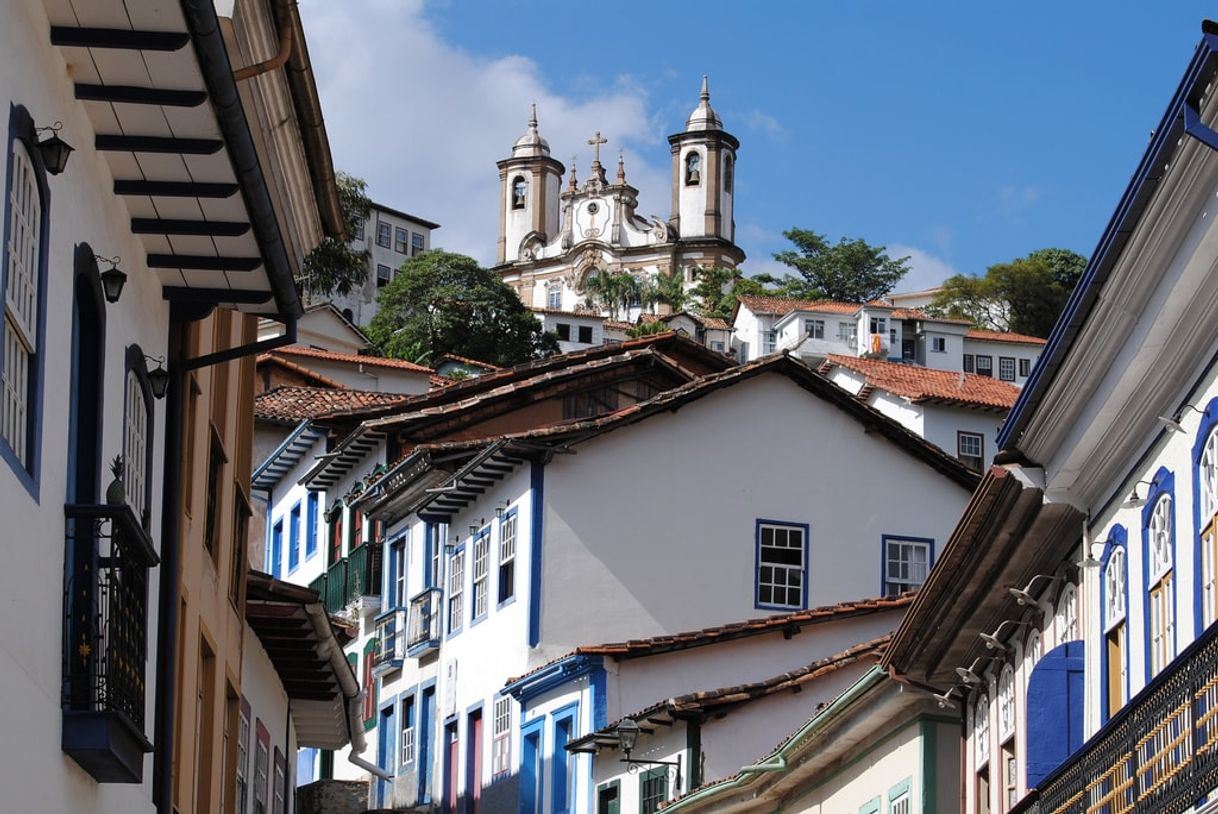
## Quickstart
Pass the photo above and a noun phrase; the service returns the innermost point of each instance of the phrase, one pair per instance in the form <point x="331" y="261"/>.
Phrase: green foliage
<point x="1025" y="295"/>
<point x="442" y="302"/>
<point x="333" y="267"/>
<point x="614" y="292"/>
<point x="656" y="326"/>
<point x="716" y="288"/>
<point x="850" y="270"/>
<point x="668" y="288"/>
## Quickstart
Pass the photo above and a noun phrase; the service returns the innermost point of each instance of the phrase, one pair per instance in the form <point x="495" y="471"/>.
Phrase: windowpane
<point x="780" y="567"/>
<point x="482" y="545"/>
<point x="21" y="300"/>
<point x="416" y="243"/>
<point x="507" y="558"/>
<point x="399" y="239"/>
<point x="382" y="235"/>
<point x="456" y="580"/>
<point x="1006" y="368"/>
<point x="135" y="446"/>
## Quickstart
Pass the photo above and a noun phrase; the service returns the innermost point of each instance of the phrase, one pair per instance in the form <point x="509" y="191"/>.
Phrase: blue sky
<point x="962" y="133"/>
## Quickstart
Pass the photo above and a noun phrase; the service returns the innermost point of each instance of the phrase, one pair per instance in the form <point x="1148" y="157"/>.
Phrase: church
<point x="554" y="239"/>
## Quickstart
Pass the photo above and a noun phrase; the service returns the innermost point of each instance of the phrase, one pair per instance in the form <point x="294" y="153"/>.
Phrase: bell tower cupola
<point x="529" y="184"/>
<point x="703" y="174"/>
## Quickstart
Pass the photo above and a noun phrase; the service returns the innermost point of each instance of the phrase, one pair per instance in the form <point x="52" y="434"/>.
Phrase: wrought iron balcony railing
<point x="106" y="623"/>
<point x="1157" y="754"/>
<point x="391" y="639"/>
<point x="351" y="578"/>
<point x="423" y="634"/>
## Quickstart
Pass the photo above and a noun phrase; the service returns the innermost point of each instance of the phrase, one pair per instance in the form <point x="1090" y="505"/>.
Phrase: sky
<point x="959" y="134"/>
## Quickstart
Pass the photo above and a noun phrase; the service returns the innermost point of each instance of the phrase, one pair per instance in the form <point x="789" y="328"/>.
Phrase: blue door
<point x="427" y="742"/>
<point x="276" y="548"/>
<point x="386" y="736"/>
<point x="530" y="768"/>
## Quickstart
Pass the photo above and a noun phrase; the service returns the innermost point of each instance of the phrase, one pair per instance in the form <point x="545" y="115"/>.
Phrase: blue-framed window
<point x="907" y="561"/>
<point x="782" y="565"/>
<point x="481" y="577"/>
<point x="1114" y="606"/>
<point x="1158" y="558"/>
<point x="507" y="557"/>
<point x="562" y="779"/>
<point x="294" y="538"/>
<point x="397" y="573"/>
<point x="456" y="589"/>
<point x="1205" y="518"/>
<point x="409" y="731"/>
<point x="312" y="512"/>
<point x="501" y="736"/>
<point x="530" y="767"/>
<point x="23" y="271"/>
<point x="434" y="533"/>
<point x="276" y="548"/>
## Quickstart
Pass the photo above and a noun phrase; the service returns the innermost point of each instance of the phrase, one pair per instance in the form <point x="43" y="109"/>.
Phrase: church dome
<point x="531" y="144"/>
<point x="704" y="116"/>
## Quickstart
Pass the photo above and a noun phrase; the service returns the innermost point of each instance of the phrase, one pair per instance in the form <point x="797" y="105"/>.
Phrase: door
<point x="473" y="763"/>
<point x="386" y="735"/>
<point x="427" y="742"/>
<point x="451" y="781"/>
<point x="530" y="768"/>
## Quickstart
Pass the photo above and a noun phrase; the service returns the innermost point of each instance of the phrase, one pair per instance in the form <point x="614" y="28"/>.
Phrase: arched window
<point x="554" y="296"/>
<point x="519" y="191"/>
<point x="87" y="380"/>
<point x="137" y="435"/>
<point x="693" y="168"/>
<point x="1159" y="569"/>
<point x="1115" y="646"/>
<point x="981" y="728"/>
<point x="1067" y="615"/>
<point x="729" y="172"/>
<point x="1207" y="519"/>
<point x="1006" y="702"/>
<point x="1031" y="652"/>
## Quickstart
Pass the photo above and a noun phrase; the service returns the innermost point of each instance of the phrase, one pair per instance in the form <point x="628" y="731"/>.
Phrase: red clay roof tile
<point x="927" y="384"/>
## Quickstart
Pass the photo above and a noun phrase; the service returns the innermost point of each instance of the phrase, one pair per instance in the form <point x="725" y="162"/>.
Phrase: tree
<point x="668" y="288"/>
<point x="656" y="326"/>
<point x="716" y="288"/>
<point x="850" y="270"/>
<point x="614" y="292"/>
<point x="1025" y="295"/>
<point x="442" y="302"/>
<point x="333" y="267"/>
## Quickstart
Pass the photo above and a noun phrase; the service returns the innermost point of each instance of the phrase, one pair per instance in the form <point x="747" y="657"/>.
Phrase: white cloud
<point x="765" y="124"/>
<point x="424" y="121"/>
<point x="926" y="270"/>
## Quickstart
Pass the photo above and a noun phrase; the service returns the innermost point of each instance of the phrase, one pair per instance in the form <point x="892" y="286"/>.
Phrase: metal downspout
<point x="281" y="56"/>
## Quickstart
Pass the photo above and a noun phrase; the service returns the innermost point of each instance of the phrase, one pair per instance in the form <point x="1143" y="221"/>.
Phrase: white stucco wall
<point x="1009" y="350"/>
<point x="692" y="199"/>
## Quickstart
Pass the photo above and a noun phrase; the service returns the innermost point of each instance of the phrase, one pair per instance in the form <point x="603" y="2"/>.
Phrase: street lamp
<point x="158" y="378"/>
<point x="112" y="279"/>
<point x="55" y="151"/>
<point x="628" y="735"/>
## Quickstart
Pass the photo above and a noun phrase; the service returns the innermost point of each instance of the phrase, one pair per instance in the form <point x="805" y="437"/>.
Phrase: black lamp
<point x="628" y="735"/>
<point x="112" y="279"/>
<point x="55" y="151"/>
<point x="158" y="378"/>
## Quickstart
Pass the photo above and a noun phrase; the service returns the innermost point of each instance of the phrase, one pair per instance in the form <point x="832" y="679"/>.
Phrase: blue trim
<point x="276" y="548"/>
<point x="399" y="559"/>
<point x="21" y="128"/>
<point x="562" y="778"/>
<point x="471" y="745"/>
<point x="1209" y="421"/>
<point x="386" y="742"/>
<point x="530" y="771"/>
<point x="1163" y="483"/>
<point x="884" y="538"/>
<point x="87" y="382"/>
<point x="896" y="791"/>
<point x="537" y="484"/>
<point x="426" y="738"/>
<point x="503" y="603"/>
<point x="757" y="603"/>
<point x="413" y="696"/>
<point x="485" y="531"/>
<point x="312" y="512"/>
<point x="451" y="631"/>
<point x="279" y="450"/>
<point x="294" y="537"/>
<point x="526" y="688"/>
<point x="448" y="770"/>
<point x="266" y="529"/>
<point x="1117" y="538"/>
<point x="1161" y="151"/>
<point x="599" y="697"/>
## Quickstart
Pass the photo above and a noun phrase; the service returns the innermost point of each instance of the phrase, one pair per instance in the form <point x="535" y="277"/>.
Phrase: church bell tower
<point x="528" y="193"/>
<point x="703" y="174"/>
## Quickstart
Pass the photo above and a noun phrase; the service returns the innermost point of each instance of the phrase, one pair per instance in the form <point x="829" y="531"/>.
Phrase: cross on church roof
<point x="596" y="141"/>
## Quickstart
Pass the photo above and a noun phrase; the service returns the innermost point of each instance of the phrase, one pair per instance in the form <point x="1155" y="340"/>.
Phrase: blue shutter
<point x="530" y="767"/>
<point x="1055" y="710"/>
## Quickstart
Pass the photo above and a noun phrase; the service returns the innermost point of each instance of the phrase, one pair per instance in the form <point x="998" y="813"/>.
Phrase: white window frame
<point x="385" y="228"/>
<point x="1114" y="589"/>
<point x="243" y="752"/>
<point x="1207" y="476"/>
<point x="770" y="339"/>
<point x="1160" y="570"/>
<point x="814" y="328"/>
<point x="961" y="438"/>
<point x="482" y="573"/>
<point x="408" y="730"/>
<point x="507" y="555"/>
<point x="905" y="545"/>
<point x="1006" y="703"/>
<point x="22" y="279"/>
<point x="456" y="586"/>
<point x="554" y="296"/>
<point x="981" y="729"/>
<point x="135" y="444"/>
<point x="1006" y="368"/>
<point x="1065" y="621"/>
<point x="1031" y="652"/>
<point x="1025" y="368"/>
<point x="501" y="737"/>
<point x="848" y="332"/>
<point x="938" y="344"/>
<point x="775" y="576"/>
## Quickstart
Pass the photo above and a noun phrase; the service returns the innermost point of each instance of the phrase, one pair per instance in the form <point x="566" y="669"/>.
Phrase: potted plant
<point x="116" y="492"/>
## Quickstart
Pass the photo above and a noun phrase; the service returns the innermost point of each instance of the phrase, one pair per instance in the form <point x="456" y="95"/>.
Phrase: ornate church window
<point x="1159" y="568"/>
<point x="519" y="189"/>
<point x="693" y="168"/>
<point x="729" y="170"/>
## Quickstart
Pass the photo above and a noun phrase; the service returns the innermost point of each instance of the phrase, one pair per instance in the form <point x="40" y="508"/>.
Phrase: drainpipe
<point x="281" y="56"/>
<point x="358" y="744"/>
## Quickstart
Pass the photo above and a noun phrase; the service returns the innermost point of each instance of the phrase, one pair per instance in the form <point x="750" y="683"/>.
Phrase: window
<point x="280" y="782"/>
<point x="1066" y="619"/>
<point x="243" y="757"/>
<point x="585" y="334"/>
<point x="408" y="730"/>
<point x="456" y="581"/>
<point x="848" y="332"/>
<point x="215" y="465"/>
<point x="136" y="415"/>
<point x="938" y="344"/>
<point x="969" y="364"/>
<point x="400" y="236"/>
<point x="23" y="296"/>
<point x="1025" y="367"/>
<point x="563" y="330"/>
<point x="240" y="553"/>
<point x="397" y="560"/>
<point x="1207" y="484"/>
<point x="507" y="557"/>
<point x="717" y="346"/>
<point x="729" y="171"/>
<point x="311" y="512"/>
<point x="560" y="764"/>
<point x="294" y="538"/>
<point x="1031" y="652"/>
<point x="501" y="734"/>
<point x="781" y="565"/>
<point x="482" y="555"/>
<point x="609" y="798"/>
<point x="416" y="244"/>
<point x="985" y="365"/>
<point x="814" y="328"/>
<point x="382" y="235"/>
<point x="983" y="791"/>
<point x="357" y="531"/>
<point x="899" y="804"/>
<point x="1006" y="702"/>
<point x="336" y="534"/>
<point x="981" y="728"/>
<point x="1006" y="368"/>
<point x="359" y="230"/>
<point x="693" y="169"/>
<point x="1159" y="569"/>
<point x="261" y="759"/>
<point x="383" y="275"/>
<point x="276" y="555"/>
<point x="369" y="683"/>
<point x="970" y="450"/>
<point x="519" y="190"/>
<point x="435" y="543"/>
<point x="906" y="563"/>
<point x="653" y="789"/>
<point x="554" y="296"/>
<point x="771" y="341"/>
<point x="879" y="325"/>
<point x="1114" y="630"/>
<point x="1010" y="775"/>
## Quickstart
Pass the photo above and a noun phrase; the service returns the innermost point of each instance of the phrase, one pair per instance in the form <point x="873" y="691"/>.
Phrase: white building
<point x="575" y="330"/>
<point x="552" y="240"/>
<point x="390" y="237"/>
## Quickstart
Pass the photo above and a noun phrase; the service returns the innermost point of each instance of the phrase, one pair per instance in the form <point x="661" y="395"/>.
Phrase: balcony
<point x="106" y="630"/>
<point x="351" y="579"/>
<point x="423" y="631"/>
<point x="1158" y="754"/>
<point x="391" y="640"/>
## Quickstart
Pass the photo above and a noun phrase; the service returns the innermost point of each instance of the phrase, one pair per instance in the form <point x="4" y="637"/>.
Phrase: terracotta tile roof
<point x="291" y="405"/>
<point x="349" y="358"/>
<point x="780" y="306"/>
<point x="300" y="370"/>
<point x="1004" y="336"/>
<point x="921" y="384"/>
<point x="712" y="323"/>
<point x="621" y="326"/>
<point x="465" y="360"/>
<point x="561" y="313"/>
